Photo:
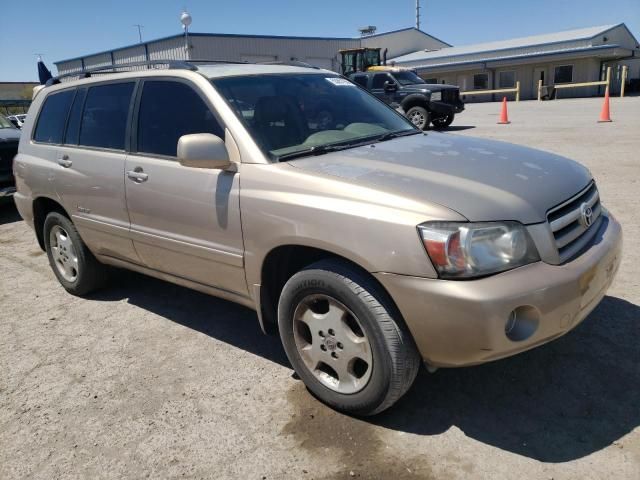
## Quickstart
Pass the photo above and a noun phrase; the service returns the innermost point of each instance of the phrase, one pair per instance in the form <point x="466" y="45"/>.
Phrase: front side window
<point x="507" y="79"/>
<point x="480" y="81"/>
<point x="288" y="115"/>
<point x="563" y="74"/>
<point x="379" y="80"/>
<point x="169" y="110"/>
<point x="104" y="118"/>
<point x="53" y="116"/>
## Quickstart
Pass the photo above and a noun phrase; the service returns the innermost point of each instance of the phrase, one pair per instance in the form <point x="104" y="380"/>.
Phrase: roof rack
<point x="171" y="65"/>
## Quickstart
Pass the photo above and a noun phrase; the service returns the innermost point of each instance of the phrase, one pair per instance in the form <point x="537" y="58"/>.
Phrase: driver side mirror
<point x="203" y="150"/>
<point x="390" y="86"/>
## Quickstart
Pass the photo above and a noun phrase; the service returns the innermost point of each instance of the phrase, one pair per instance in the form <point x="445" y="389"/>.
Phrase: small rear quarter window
<point x="53" y="116"/>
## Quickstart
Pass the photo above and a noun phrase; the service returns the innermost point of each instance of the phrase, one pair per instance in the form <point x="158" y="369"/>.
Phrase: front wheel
<point x="345" y="339"/>
<point x="443" y="122"/>
<point x="419" y="116"/>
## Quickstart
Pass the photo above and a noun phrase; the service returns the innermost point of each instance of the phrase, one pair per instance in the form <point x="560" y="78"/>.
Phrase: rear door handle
<point x="137" y="175"/>
<point x="64" y="161"/>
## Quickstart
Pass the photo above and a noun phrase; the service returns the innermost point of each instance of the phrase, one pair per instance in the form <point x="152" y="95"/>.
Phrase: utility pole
<point x="418" y="14"/>
<point x="140" y="27"/>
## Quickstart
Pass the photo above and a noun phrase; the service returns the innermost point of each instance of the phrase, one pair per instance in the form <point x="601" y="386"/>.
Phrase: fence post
<point x="624" y="80"/>
<point x="518" y="91"/>
<point x="608" y="78"/>
<point x="539" y="90"/>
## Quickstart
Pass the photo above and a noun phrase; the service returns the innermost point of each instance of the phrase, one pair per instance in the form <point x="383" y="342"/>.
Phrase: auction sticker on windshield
<point x="341" y="82"/>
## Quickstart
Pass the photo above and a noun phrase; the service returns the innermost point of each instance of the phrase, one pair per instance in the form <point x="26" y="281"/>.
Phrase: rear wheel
<point x="74" y="265"/>
<point x="345" y="339"/>
<point x="443" y="122"/>
<point x="419" y="116"/>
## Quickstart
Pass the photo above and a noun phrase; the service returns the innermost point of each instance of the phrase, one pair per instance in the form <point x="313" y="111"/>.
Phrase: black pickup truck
<point x="422" y="103"/>
<point x="9" y="138"/>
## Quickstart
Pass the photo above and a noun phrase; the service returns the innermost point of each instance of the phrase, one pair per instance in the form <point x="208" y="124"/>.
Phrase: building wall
<point x="584" y="70"/>
<point x="403" y="42"/>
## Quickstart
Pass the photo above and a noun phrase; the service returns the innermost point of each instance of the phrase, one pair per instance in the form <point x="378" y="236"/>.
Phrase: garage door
<point x="258" y="58"/>
<point x="320" y="62"/>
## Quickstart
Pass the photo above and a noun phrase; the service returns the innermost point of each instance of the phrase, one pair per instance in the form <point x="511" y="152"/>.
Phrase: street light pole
<point x="139" y="31"/>
<point x="185" y="20"/>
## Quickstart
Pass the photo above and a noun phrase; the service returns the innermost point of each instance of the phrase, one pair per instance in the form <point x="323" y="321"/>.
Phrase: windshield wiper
<point x="401" y="133"/>
<point x="316" y="150"/>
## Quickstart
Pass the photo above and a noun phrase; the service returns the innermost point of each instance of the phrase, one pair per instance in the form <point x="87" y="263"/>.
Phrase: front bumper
<point x="443" y="108"/>
<point x="456" y="323"/>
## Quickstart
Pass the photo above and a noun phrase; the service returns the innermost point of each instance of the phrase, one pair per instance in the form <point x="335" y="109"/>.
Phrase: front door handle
<point x="64" y="161"/>
<point x="137" y="175"/>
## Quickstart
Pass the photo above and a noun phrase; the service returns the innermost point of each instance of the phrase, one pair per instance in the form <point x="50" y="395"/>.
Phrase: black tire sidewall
<point x="79" y="286"/>
<point x="308" y="282"/>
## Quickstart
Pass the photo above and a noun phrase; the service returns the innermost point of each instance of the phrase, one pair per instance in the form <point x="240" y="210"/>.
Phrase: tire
<point x="73" y="264"/>
<point x="443" y="122"/>
<point x="419" y="116"/>
<point x="386" y="360"/>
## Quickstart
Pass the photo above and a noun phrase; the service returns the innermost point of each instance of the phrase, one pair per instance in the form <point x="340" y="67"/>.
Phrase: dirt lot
<point x="147" y="379"/>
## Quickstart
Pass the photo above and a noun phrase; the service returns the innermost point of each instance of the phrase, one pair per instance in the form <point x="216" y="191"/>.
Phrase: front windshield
<point x="292" y="113"/>
<point x="4" y="123"/>
<point x="407" y="78"/>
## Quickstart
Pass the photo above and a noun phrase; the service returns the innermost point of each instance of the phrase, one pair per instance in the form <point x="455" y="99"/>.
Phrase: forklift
<point x="361" y="60"/>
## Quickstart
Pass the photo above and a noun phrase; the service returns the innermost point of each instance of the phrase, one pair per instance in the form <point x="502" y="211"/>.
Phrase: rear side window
<point x="361" y="80"/>
<point x="104" y="118"/>
<point x="73" y="125"/>
<point x="53" y="117"/>
<point x="169" y="110"/>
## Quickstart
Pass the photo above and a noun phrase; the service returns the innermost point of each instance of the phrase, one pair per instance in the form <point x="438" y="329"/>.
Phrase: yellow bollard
<point x="624" y="80"/>
<point x="539" y="90"/>
<point x="518" y="91"/>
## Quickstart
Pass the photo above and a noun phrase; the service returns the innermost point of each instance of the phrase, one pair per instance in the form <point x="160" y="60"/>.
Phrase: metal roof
<point x="515" y="43"/>
<point x="240" y="35"/>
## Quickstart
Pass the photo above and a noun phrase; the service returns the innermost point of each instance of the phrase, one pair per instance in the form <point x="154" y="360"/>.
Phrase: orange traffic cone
<point x="504" y="116"/>
<point x="605" y="115"/>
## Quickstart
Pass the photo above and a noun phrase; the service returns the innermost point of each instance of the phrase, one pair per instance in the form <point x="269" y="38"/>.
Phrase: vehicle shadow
<point x="458" y="128"/>
<point x="226" y="321"/>
<point x="8" y="211"/>
<point x="556" y="403"/>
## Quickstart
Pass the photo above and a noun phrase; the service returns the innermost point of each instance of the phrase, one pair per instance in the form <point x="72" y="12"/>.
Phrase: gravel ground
<point x="147" y="379"/>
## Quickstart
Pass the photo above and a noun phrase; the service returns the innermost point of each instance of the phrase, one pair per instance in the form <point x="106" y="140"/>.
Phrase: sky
<point x="61" y="29"/>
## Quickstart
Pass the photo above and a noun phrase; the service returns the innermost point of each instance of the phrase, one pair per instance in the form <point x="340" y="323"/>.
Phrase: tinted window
<point x="430" y="80"/>
<point x="379" y="79"/>
<point x="361" y="80"/>
<point x="53" y="116"/>
<point x="73" y="126"/>
<point x="480" y="81"/>
<point x="507" y="79"/>
<point x="563" y="74"/>
<point x="169" y="110"/>
<point x="104" y="119"/>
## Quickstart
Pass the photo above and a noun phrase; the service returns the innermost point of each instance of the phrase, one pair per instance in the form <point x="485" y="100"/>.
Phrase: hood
<point x="482" y="180"/>
<point x="437" y="87"/>
<point x="9" y="135"/>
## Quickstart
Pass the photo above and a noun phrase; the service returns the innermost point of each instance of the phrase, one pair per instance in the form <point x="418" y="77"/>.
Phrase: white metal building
<point x="563" y="57"/>
<point x="318" y="51"/>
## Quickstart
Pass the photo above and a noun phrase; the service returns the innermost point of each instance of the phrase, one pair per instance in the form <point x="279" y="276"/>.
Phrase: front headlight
<point x="436" y="96"/>
<point x="467" y="250"/>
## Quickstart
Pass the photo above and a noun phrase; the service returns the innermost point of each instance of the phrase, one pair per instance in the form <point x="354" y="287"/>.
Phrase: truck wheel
<point x="74" y="265"/>
<point x="443" y="122"/>
<point x="345" y="339"/>
<point x="419" y="116"/>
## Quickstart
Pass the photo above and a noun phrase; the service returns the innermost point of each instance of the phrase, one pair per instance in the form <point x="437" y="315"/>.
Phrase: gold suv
<point x="370" y="246"/>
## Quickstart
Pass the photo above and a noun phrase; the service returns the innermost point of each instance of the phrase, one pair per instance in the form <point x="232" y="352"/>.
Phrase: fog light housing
<point x="521" y="323"/>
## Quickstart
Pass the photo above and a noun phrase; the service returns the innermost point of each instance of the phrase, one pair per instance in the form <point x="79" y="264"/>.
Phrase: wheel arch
<point x="415" y="100"/>
<point x="281" y="263"/>
<point x="43" y="206"/>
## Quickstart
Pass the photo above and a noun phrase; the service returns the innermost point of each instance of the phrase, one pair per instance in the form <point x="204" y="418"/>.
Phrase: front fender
<point x="413" y="100"/>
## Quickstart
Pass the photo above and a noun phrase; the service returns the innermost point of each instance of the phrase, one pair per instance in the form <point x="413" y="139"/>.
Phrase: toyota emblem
<point x="586" y="215"/>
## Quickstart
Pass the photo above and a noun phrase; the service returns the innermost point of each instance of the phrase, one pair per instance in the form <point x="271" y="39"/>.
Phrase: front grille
<point x="567" y="224"/>
<point x="450" y="96"/>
